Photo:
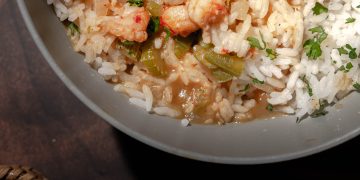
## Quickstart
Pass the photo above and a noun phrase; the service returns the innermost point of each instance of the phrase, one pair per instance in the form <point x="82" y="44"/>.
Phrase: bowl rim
<point x="157" y="144"/>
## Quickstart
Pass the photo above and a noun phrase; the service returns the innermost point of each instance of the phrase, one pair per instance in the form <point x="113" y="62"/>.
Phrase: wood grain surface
<point x="44" y="126"/>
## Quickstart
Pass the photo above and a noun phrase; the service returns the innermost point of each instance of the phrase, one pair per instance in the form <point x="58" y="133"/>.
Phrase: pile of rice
<point x="283" y="25"/>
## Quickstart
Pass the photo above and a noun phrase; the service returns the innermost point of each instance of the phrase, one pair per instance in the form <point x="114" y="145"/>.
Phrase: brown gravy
<point x="260" y="111"/>
<point x="203" y="100"/>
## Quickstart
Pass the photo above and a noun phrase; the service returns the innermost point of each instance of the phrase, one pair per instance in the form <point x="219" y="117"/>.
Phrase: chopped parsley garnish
<point x="342" y="51"/>
<point x="319" y="9"/>
<point x="138" y="3"/>
<point x="321" y="111"/>
<point x="257" y="81"/>
<point x="349" y="66"/>
<point x="270" y="107"/>
<point x="74" y="29"/>
<point x="154" y="25"/>
<point x="348" y="50"/>
<point x="168" y="33"/>
<point x="358" y="6"/>
<point x="130" y="49"/>
<point x="312" y="47"/>
<point x="352" y="54"/>
<point x="350" y="20"/>
<point x="246" y="88"/>
<point x="352" y="51"/>
<point x="357" y="86"/>
<point x="321" y="35"/>
<point x="346" y="68"/>
<point x="308" y="87"/>
<point x="255" y="43"/>
<point x="271" y="54"/>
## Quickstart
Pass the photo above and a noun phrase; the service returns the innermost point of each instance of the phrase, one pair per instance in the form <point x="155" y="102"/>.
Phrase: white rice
<point x="148" y="96"/>
<point x="166" y="111"/>
<point x="185" y="122"/>
<point x="287" y="25"/>
<point x="138" y="102"/>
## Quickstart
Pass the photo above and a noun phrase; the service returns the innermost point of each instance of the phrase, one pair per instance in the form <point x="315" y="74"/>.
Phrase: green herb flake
<point x="352" y="52"/>
<point x="130" y="49"/>
<point x="342" y="51"/>
<point x="246" y="88"/>
<point x="356" y="86"/>
<point x="342" y="68"/>
<point x="346" y="68"/>
<point x="319" y="9"/>
<point x="350" y="20"/>
<point x="168" y="33"/>
<point x="257" y="81"/>
<point x="312" y="47"/>
<point x="271" y="53"/>
<point x="138" y="3"/>
<point x="154" y="25"/>
<point x="74" y="29"/>
<point x="255" y="43"/>
<point x="270" y="107"/>
<point x="308" y="87"/>
<point x="348" y="50"/>
<point x="321" y="111"/>
<point x="349" y="66"/>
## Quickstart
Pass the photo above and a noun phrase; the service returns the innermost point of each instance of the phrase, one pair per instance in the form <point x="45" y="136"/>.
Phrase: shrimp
<point x="177" y="19"/>
<point x="196" y="14"/>
<point x="131" y="25"/>
<point x="204" y="12"/>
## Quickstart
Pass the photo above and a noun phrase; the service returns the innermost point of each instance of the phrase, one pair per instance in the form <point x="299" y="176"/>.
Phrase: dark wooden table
<point x="43" y="125"/>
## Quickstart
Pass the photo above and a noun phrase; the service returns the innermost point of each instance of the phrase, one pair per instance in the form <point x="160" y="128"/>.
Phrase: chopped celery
<point x="182" y="46"/>
<point x="154" y="8"/>
<point x="151" y="58"/>
<point x="230" y="64"/>
<point x="200" y="98"/>
<point x="221" y="76"/>
<point x="199" y="53"/>
<point x="204" y="45"/>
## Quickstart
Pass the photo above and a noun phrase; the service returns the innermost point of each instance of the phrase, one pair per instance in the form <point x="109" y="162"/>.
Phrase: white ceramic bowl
<point x="251" y="143"/>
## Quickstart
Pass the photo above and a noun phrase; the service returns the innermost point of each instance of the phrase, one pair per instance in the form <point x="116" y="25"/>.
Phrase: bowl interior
<point x="250" y="143"/>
